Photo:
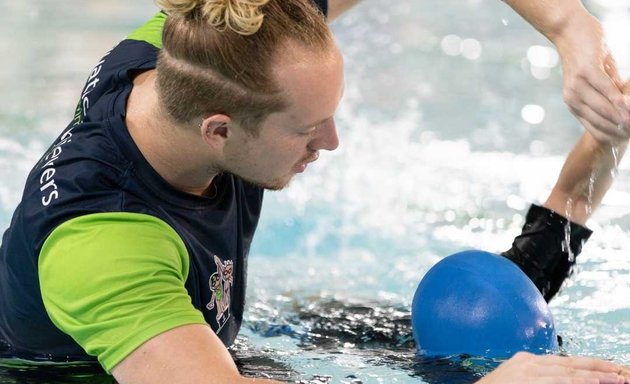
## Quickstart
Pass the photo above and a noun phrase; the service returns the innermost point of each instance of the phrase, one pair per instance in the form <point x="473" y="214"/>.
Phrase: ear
<point x="216" y="129"/>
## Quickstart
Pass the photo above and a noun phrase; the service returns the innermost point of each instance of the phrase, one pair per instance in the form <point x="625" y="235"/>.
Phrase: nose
<point x="326" y="136"/>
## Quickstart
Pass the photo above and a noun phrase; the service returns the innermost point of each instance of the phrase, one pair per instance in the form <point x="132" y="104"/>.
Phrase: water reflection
<point x="377" y="334"/>
<point x="15" y="371"/>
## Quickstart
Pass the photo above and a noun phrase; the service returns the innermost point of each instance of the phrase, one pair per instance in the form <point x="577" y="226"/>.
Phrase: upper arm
<point x="187" y="354"/>
<point x="115" y="282"/>
<point x="112" y="281"/>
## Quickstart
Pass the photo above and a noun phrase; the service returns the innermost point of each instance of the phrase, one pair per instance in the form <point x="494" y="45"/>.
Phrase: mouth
<point x="301" y="166"/>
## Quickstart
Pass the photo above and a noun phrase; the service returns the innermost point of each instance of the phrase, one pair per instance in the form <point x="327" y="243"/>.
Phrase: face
<point x="291" y="139"/>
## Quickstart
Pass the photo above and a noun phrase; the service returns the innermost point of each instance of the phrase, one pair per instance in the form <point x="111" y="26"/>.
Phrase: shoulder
<point x="83" y="158"/>
<point x="115" y="236"/>
<point x="113" y="72"/>
<point x="112" y="281"/>
<point x="151" y="31"/>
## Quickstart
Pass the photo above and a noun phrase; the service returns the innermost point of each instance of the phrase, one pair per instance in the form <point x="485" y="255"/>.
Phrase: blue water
<point x="452" y="122"/>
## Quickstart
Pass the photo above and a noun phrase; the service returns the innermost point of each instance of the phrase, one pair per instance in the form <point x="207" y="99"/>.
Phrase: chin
<point x="277" y="185"/>
<point x="271" y="185"/>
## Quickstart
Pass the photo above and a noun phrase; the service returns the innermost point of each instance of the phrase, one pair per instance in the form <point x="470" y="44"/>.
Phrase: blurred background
<point x="451" y="125"/>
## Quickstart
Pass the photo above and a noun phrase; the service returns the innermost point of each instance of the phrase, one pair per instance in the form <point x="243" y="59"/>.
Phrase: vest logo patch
<point x="220" y="285"/>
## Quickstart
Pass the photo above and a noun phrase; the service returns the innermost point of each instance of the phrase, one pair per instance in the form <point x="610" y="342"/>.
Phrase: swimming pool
<point x="451" y="123"/>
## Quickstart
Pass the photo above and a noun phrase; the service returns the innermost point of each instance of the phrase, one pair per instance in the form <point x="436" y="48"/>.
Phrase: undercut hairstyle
<point x="217" y="56"/>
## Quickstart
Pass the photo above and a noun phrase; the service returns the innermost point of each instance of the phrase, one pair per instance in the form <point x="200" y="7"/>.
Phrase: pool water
<point x="451" y="124"/>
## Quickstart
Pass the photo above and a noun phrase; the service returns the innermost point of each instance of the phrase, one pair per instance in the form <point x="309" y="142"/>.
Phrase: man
<point x="134" y="228"/>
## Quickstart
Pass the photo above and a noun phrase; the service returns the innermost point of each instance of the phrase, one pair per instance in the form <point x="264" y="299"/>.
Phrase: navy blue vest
<point x="94" y="166"/>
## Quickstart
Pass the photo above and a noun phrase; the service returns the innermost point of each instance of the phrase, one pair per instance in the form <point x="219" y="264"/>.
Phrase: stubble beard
<point x="277" y="184"/>
<point x="273" y="185"/>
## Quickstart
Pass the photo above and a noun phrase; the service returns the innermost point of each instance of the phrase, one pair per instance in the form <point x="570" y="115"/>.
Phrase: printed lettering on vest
<point x="48" y="187"/>
<point x="84" y="101"/>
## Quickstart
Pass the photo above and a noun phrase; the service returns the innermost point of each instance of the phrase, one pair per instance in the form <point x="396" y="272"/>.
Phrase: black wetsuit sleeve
<point x="541" y="252"/>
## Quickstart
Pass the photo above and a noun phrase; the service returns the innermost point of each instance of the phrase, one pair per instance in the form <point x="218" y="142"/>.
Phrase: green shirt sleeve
<point x="112" y="281"/>
<point x="151" y="31"/>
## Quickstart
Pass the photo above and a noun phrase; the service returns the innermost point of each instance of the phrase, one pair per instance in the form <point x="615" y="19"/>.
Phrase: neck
<point x="176" y="153"/>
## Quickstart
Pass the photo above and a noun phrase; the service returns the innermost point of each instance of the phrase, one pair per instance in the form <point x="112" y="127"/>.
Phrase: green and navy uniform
<point x="102" y="254"/>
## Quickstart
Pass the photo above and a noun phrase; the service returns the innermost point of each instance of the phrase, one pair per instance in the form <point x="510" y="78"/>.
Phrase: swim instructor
<point x="130" y="243"/>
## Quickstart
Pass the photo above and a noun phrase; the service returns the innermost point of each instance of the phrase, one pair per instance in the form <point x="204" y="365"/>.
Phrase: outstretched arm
<point x="592" y="87"/>
<point x="541" y="250"/>
<point x="585" y="177"/>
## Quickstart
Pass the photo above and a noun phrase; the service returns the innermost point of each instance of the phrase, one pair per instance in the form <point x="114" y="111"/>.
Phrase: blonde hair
<point x="241" y="16"/>
<point x="217" y="55"/>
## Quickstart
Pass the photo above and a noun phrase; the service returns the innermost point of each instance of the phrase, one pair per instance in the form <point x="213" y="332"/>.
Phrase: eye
<point x="308" y="131"/>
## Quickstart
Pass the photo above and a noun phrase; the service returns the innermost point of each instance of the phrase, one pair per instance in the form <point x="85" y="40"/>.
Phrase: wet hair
<point x="218" y="55"/>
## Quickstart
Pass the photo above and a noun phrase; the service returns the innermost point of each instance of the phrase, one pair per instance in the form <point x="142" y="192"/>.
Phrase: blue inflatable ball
<point x="480" y="304"/>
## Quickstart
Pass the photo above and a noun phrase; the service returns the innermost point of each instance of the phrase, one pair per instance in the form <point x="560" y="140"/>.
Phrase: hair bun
<point x="244" y="17"/>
